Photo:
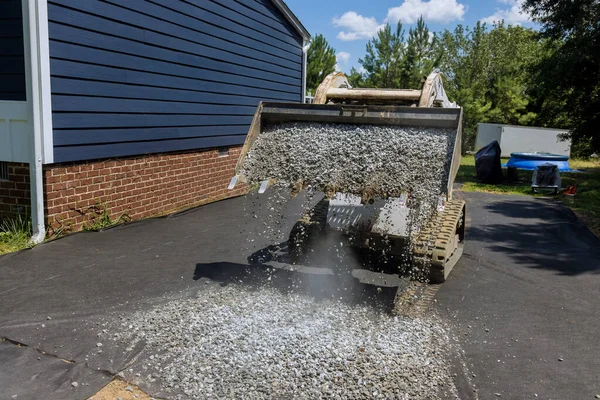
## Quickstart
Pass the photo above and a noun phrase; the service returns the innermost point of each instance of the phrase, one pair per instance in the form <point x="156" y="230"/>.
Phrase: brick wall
<point x="14" y="192"/>
<point x="135" y="187"/>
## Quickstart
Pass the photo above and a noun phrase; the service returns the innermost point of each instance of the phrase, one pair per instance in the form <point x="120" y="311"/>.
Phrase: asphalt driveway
<point x="523" y="300"/>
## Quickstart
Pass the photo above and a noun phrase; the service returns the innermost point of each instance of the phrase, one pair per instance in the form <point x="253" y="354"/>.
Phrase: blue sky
<point x="349" y="24"/>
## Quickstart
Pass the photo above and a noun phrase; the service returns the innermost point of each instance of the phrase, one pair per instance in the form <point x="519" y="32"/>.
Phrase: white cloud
<point x="442" y="11"/>
<point x="343" y="57"/>
<point x="512" y="16"/>
<point x="341" y="60"/>
<point x="356" y="26"/>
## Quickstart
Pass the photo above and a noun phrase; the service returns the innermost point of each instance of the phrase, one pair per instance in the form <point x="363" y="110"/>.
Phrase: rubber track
<point x="437" y="235"/>
<point x="434" y="238"/>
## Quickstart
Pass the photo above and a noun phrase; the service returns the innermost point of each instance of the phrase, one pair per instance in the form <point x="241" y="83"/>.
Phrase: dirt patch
<point x="118" y="389"/>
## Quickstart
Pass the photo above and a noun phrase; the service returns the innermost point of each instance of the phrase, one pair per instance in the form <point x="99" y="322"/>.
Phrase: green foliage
<point x="504" y="74"/>
<point x="421" y="57"/>
<point x="101" y="218"/>
<point x="568" y="77"/>
<point x="15" y="234"/>
<point x="384" y="57"/>
<point x="356" y="79"/>
<point x="514" y="52"/>
<point x="320" y="62"/>
<point x="488" y="73"/>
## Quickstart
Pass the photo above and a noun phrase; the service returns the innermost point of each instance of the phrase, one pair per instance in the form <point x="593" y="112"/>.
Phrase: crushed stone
<point x="383" y="161"/>
<point x="236" y="342"/>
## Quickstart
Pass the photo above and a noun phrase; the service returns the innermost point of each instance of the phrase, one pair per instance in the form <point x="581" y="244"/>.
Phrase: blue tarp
<point x="529" y="161"/>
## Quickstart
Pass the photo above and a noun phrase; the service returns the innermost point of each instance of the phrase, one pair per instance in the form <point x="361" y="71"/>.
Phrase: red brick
<point x="140" y="186"/>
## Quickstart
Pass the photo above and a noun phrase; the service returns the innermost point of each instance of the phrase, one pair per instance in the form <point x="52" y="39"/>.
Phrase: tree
<point x="465" y="65"/>
<point x="383" y="60"/>
<point x="421" y="56"/>
<point x="569" y="76"/>
<point x="514" y="51"/>
<point x="321" y="62"/>
<point x="488" y="72"/>
<point x="356" y="78"/>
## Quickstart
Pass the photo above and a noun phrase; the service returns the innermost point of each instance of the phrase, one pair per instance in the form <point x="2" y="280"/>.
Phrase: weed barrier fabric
<point x="28" y="374"/>
<point x="59" y="297"/>
<point x="86" y="282"/>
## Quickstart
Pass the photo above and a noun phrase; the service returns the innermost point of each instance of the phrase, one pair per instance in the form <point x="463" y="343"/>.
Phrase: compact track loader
<point x="376" y="223"/>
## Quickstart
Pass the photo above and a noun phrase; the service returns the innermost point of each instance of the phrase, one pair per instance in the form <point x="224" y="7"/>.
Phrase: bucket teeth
<point x="263" y="186"/>
<point x="232" y="183"/>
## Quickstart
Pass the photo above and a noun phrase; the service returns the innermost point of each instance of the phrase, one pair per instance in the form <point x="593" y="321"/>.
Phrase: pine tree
<point x="321" y="62"/>
<point x="384" y="57"/>
<point x="420" y="57"/>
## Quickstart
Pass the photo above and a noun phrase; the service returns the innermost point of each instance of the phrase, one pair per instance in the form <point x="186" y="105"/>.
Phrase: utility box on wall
<point x="523" y="139"/>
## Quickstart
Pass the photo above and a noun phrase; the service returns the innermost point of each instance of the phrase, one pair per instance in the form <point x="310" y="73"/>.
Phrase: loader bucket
<point x="269" y="114"/>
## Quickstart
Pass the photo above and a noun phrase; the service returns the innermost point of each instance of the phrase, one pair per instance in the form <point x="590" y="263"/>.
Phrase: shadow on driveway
<point x="539" y="234"/>
<point x="345" y="280"/>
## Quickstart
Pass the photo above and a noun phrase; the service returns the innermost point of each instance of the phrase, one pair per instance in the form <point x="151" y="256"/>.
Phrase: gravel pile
<point x="386" y="160"/>
<point x="232" y="342"/>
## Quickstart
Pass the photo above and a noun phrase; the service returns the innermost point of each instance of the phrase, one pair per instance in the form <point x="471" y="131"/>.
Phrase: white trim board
<point x="23" y="121"/>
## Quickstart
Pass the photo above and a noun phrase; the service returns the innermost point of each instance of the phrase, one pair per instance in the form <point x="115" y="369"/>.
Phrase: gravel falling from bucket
<point x="382" y="160"/>
<point x="233" y="342"/>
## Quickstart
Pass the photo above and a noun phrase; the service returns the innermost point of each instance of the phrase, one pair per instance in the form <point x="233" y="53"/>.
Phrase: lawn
<point x="586" y="203"/>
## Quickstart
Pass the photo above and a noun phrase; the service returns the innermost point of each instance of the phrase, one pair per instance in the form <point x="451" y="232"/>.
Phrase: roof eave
<point x="290" y="16"/>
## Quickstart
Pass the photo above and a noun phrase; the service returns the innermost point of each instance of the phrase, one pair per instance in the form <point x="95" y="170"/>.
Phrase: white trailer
<point x="523" y="139"/>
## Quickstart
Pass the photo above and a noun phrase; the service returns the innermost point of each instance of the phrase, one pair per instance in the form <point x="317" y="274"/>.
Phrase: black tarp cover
<point x="487" y="163"/>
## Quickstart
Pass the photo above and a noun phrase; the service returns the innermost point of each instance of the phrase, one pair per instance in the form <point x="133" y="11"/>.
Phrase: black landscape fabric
<point x="58" y="297"/>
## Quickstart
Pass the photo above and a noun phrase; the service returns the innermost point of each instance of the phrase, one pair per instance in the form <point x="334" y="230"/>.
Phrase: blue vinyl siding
<point x="148" y="76"/>
<point x="12" y="61"/>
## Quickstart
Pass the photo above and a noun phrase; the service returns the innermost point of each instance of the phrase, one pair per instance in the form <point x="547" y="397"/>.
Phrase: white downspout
<point x="305" y="47"/>
<point x="37" y="50"/>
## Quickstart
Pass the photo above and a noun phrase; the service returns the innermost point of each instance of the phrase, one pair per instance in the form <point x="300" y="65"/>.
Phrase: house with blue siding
<point x="138" y="106"/>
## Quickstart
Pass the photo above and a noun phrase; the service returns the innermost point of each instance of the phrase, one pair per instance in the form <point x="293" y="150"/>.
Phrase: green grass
<point x="15" y="234"/>
<point x="586" y="203"/>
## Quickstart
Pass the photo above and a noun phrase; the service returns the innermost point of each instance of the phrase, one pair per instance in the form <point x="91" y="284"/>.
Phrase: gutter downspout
<point x="39" y="97"/>
<point x="36" y="172"/>
<point x="305" y="47"/>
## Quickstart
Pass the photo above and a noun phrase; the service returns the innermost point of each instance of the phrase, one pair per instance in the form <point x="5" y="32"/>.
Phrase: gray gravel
<point x="236" y="342"/>
<point x="387" y="159"/>
<point x="233" y="342"/>
<point x="381" y="160"/>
